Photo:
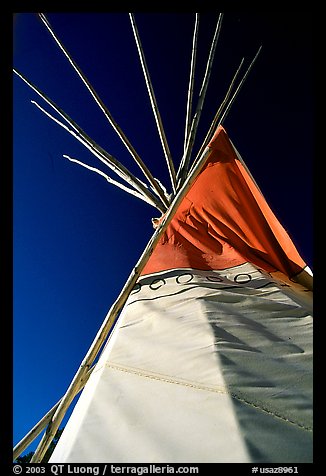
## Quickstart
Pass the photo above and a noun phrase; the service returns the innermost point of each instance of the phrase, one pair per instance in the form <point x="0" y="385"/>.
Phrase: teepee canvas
<point x="208" y="348"/>
<point x="210" y="359"/>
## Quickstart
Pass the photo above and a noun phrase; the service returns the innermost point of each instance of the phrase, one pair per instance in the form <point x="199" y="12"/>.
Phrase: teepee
<point x="206" y="354"/>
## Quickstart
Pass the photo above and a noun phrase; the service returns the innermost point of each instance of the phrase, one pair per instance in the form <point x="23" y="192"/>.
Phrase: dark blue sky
<point x="76" y="238"/>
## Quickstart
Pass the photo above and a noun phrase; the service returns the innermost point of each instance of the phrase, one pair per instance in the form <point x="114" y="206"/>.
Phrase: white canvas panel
<point x="203" y="366"/>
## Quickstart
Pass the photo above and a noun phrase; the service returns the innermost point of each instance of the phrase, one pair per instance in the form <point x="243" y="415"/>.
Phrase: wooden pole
<point x="225" y="113"/>
<point x="182" y="171"/>
<point x="191" y="81"/>
<point x="218" y="119"/>
<point x="98" y="151"/>
<point x="107" y="114"/>
<point x="39" y="427"/>
<point x="34" y="432"/>
<point x="111" y="316"/>
<point x="155" y="109"/>
<point x="109" y="160"/>
<point x="110" y="180"/>
<point x="218" y="113"/>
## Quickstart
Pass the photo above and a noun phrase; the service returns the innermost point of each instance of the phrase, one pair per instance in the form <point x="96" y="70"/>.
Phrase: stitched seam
<point x="220" y="390"/>
<point x="165" y="378"/>
<point x="269" y="412"/>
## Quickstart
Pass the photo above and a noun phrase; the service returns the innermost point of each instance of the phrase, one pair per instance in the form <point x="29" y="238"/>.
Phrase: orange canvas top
<point x="224" y="221"/>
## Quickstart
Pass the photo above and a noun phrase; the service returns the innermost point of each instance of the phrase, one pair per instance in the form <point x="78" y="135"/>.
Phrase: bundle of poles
<point x="152" y="192"/>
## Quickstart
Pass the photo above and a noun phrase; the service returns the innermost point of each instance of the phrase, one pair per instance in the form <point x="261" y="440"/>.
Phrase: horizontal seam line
<point x="163" y="378"/>
<point x="153" y="376"/>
